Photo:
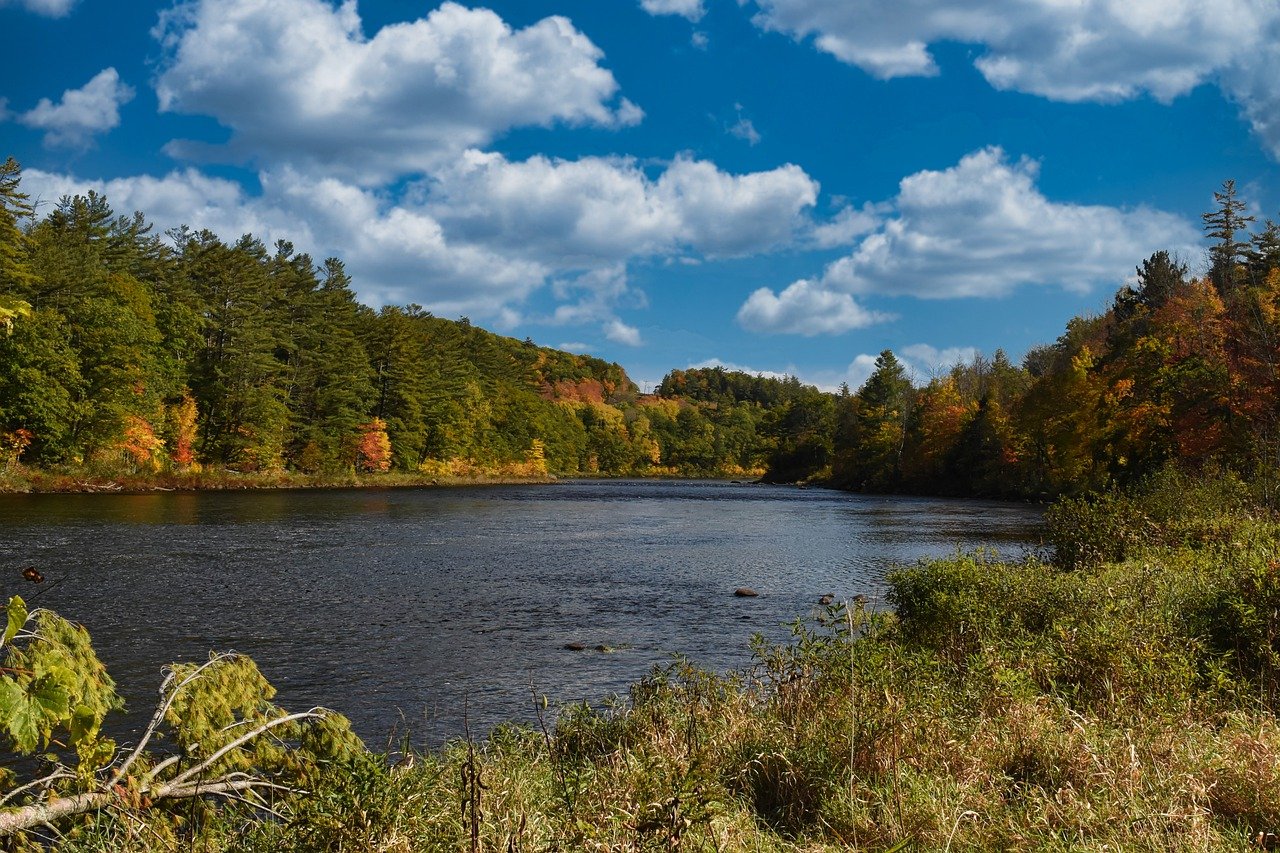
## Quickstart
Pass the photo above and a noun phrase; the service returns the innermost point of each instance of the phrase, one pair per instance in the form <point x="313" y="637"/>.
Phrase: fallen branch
<point x="37" y="814"/>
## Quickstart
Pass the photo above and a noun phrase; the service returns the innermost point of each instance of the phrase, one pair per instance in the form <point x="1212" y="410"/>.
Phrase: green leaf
<point x="10" y="696"/>
<point x="84" y="724"/>
<point x="49" y="694"/>
<point x="24" y="722"/>
<point x="17" y="618"/>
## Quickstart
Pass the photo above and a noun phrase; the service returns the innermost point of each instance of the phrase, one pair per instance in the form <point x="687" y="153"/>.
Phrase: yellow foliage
<point x="141" y="444"/>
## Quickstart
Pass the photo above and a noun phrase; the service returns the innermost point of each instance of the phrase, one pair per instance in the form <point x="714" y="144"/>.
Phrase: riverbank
<point x="20" y="480"/>
<point x="1122" y="697"/>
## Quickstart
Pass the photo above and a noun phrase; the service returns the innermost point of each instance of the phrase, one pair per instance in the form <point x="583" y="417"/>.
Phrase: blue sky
<point x="785" y="186"/>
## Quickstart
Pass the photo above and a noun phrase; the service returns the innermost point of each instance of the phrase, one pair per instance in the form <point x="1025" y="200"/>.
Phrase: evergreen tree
<point x="1227" y="226"/>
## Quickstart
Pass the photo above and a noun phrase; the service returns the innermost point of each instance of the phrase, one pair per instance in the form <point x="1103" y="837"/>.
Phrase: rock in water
<point x="745" y="592"/>
<point x="575" y="646"/>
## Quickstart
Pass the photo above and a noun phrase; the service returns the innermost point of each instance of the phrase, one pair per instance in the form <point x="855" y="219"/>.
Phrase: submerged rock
<point x="575" y="646"/>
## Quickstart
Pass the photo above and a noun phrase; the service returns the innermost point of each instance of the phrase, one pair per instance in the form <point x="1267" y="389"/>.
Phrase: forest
<point x="123" y="351"/>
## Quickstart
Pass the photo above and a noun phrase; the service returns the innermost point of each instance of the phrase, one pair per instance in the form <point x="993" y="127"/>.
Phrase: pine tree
<point x="1226" y="225"/>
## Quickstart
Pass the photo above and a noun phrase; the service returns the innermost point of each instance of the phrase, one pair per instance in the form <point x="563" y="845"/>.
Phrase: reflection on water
<point x="382" y="603"/>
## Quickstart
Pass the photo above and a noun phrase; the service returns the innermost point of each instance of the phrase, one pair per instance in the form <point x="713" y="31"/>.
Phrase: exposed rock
<point x="575" y="646"/>
<point x="826" y="599"/>
<point x="745" y="592"/>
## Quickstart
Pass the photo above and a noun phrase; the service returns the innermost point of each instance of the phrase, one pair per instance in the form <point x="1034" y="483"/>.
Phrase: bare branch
<point x="37" y="814"/>
<point x="314" y="713"/>
<point x="60" y="773"/>
<point x="164" y="709"/>
<point x="155" y="771"/>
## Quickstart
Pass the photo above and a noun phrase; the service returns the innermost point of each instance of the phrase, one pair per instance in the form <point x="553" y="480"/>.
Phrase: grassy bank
<point x="23" y="480"/>
<point x="1123" y="697"/>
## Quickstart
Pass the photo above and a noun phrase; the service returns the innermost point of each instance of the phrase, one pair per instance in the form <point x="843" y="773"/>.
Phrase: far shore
<point x="29" y="481"/>
<point x="23" y="480"/>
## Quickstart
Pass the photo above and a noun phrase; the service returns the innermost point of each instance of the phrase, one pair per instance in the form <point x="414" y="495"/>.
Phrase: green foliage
<point x="52" y="681"/>
<point x="55" y="694"/>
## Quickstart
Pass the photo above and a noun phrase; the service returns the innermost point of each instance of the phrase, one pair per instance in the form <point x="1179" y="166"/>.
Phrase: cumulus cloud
<point x="48" y="8"/>
<point x="81" y="113"/>
<point x="921" y="361"/>
<point x="599" y="209"/>
<point x="298" y="82"/>
<point x="858" y="371"/>
<point x="691" y="9"/>
<point x="846" y="226"/>
<point x="620" y="333"/>
<point x="926" y="361"/>
<point x="739" y="368"/>
<point x="1102" y="50"/>
<point x="805" y="308"/>
<point x="981" y="228"/>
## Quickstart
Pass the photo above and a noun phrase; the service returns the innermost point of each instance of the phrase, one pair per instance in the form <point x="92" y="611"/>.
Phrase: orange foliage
<point x="374" y="450"/>
<point x="140" y="442"/>
<point x="182" y="431"/>
<point x="583" y="391"/>
<point x="12" y="445"/>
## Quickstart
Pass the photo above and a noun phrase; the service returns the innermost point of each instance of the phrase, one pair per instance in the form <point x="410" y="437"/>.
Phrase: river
<point x="401" y="607"/>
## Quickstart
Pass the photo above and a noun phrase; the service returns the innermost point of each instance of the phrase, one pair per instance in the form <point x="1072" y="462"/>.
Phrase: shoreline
<point x="53" y="483"/>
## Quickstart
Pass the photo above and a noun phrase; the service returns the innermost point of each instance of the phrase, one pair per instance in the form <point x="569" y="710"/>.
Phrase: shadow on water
<point x="378" y="603"/>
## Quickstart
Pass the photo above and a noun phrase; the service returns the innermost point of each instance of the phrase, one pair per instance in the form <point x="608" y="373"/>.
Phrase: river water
<point x="401" y="607"/>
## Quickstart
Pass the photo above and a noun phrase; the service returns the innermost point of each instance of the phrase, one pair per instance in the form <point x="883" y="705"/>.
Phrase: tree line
<point x="1179" y="370"/>
<point x="122" y="349"/>
<point x="125" y="350"/>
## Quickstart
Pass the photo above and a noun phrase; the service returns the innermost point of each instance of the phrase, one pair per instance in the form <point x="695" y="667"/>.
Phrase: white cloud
<point x="1100" y="50"/>
<point x="921" y="362"/>
<point x="978" y="229"/>
<point x="576" y="347"/>
<point x="745" y="131"/>
<point x="1252" y="84"/>
<point x="738" y="368"/>
<point x="700" y="40"/>
<point x="859" y="371"/>
<point x="924" y="361"/>
<point x="602" y="210"/>
<point x="983" y="228"/>
<point x="691" y="9"/>
<point x="298" y="82"/>
<point x="847" y="226"/>
<point x="620" y="333"/>
<point x="805" y="308"/>
<point x="732" y="215"/>
<point x="91" y="109"/>
<point x="48" y="8"/>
